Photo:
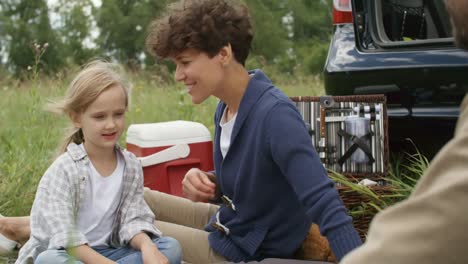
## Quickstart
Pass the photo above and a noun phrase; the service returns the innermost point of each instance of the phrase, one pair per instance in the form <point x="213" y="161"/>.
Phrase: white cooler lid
<point x="167" y="133"/>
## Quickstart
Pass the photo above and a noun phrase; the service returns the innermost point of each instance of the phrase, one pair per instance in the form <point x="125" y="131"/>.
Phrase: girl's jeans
<point x="168" y="246"/>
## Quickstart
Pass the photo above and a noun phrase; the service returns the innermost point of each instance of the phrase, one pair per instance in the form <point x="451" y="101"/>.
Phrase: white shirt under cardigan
<point x="99" y="205"/>
<point x="226" y="132"/>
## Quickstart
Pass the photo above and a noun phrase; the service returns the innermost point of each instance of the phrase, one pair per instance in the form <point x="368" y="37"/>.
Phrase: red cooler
<point x="167" y="150"/>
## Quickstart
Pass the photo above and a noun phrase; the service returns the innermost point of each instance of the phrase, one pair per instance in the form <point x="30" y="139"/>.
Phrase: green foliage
<point x="290" y="34"/>
<point x="29" y="135"/>
<point x="313" y="54"/>
<point x="122" y="24"/>
<point x="26" y="22"/>
<point x="312" y="28"/>
<point x="401" y="180"/>
<point x="74" y="18"/>
<point x="270" y="37"/>
<point x="312" y="19"/>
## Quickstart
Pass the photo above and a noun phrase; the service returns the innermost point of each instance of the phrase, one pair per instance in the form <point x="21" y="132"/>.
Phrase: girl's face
<point x="103" y="121"/>
<point x="201" y="74"/>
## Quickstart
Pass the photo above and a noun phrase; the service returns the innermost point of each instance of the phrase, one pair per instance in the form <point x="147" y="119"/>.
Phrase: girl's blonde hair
<point x="96" y="77"/>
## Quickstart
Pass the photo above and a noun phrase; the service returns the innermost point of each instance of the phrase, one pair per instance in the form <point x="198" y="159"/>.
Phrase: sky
<point x="95" y="2"/>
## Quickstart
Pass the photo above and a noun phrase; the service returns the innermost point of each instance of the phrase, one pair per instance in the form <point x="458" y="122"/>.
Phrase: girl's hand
<point x="151" y="255"/>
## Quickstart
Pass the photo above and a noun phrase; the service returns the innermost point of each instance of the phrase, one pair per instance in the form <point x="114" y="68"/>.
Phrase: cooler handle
<point x="175" y="152"/>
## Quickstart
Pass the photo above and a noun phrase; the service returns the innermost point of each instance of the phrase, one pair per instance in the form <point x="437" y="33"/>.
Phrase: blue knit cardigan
<point x="276" y="181"/>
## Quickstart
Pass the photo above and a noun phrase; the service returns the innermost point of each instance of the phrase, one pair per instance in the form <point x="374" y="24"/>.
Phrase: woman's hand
<point x="199" y="186"/>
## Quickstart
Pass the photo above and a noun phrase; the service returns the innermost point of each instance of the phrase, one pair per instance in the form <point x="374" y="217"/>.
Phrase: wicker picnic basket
<point x="354" y="200"/>
<point x="327" y="118"/>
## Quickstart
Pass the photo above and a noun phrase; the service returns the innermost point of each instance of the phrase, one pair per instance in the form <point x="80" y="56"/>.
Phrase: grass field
<point x="29" y="135"/>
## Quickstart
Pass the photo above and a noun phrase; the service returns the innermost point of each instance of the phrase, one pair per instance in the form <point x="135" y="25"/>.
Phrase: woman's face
<point x="202" y="75"/>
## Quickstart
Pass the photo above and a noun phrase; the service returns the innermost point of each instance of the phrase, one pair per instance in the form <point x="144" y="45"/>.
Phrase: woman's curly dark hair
<point x="204" y="25"/>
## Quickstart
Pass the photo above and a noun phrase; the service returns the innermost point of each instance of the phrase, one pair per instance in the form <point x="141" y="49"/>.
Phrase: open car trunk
<point x="409" y="50"/>
<point x="411" y="58"/>
<point x="404" y="23"/>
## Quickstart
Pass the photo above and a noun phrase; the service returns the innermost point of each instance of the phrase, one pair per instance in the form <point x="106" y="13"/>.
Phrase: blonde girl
<point x="89" y="205"/>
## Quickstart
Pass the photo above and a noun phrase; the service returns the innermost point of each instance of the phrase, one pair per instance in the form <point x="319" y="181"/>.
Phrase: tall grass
<point x="29" y="135"/>
<point x="405" y="172"/>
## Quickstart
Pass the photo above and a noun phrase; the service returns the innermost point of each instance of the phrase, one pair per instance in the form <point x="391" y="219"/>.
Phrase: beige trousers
<point x="184" y="220"/>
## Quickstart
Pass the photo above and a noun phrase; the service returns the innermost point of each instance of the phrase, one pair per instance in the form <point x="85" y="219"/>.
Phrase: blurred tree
<point x="24" y="23"/>
<point x="311" y="32"/>
<point x="270" y="36"/>
<point x="75" y="25"/>
<point x="312" y="19"/>
<point x="290" y="33"/>
<point x="123" y="28"/>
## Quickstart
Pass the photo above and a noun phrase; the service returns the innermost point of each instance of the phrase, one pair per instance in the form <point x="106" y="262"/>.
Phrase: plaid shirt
<point x="56" y="205"/>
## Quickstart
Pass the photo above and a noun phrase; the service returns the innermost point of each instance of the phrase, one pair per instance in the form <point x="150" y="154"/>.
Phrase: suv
<point x="403" y="49"/>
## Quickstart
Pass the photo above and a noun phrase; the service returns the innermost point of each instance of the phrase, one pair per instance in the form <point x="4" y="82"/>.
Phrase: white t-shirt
<point x="98" y="207"/>
<point x="226" y="132"/>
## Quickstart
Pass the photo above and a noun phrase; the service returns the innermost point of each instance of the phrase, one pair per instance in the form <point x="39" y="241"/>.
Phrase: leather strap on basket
<point x="358" y="142"/>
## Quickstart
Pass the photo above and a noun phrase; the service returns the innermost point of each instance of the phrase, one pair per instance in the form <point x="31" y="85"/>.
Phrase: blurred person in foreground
<point x="430" y="226"/>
